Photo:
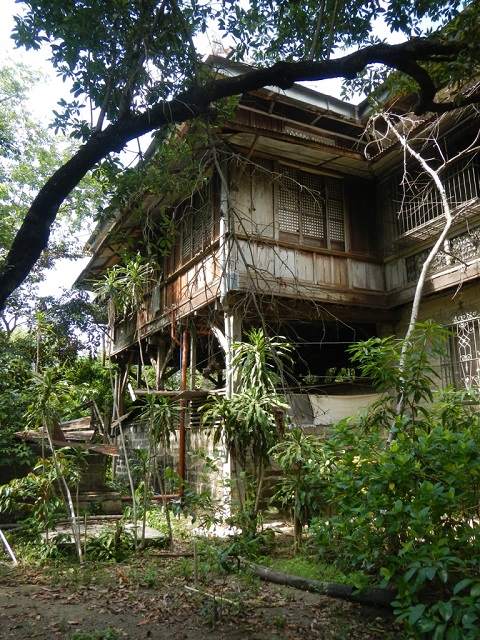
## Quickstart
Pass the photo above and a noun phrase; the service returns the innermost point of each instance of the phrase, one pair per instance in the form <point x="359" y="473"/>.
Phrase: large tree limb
<point x="370" y="596"/>
<point x="32" y="237"/>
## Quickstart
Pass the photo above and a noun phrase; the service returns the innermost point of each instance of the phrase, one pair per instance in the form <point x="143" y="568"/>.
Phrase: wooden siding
<point x="454" y="277"/>
<point x="299" y="273"/>
<point x="258" y="260"/>
<point x="252" y="199"/>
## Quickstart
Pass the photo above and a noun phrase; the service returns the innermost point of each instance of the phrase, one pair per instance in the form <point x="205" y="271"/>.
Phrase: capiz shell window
<point x="311" y="209"/>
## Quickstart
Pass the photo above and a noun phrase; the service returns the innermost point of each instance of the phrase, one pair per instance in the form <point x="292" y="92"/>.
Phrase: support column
<point x="193" y="358"/>
<point x="183" y="407"/>
<point x="233" y="333"/>
<point x="161" y="351"/>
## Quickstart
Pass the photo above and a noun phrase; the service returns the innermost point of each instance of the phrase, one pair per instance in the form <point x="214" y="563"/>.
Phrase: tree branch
<point x="32" y="237"/>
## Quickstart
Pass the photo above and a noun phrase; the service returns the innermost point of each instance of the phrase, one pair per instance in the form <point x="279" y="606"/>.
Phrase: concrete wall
<point x="313" y="413"/>
<point x="198" y="447"/>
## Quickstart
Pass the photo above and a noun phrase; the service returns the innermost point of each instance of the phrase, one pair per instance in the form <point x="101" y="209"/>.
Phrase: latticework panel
<point x="308" y="202"/>
<point x="465" y="350"/>
<point x="336" y="224"/>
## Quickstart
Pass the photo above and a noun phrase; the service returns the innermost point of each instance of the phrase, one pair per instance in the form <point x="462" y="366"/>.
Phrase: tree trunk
<point x="375" y="597"/>
<point x="434" y="175"/>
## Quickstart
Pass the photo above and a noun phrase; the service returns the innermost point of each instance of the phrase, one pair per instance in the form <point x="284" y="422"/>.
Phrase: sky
<point x="46" y="94"/>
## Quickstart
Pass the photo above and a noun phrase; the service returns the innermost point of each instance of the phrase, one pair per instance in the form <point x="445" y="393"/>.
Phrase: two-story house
<point x="305" y="227"/>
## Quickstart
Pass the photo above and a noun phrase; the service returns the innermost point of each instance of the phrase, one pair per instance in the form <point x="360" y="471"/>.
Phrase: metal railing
<point x="421" y="204"/>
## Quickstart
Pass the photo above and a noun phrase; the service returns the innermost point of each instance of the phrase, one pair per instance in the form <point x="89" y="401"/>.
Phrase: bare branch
<point x="434" y="175"/>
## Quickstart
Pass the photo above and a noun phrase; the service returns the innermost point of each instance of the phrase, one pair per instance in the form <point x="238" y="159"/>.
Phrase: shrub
<point x="408" y="514"/>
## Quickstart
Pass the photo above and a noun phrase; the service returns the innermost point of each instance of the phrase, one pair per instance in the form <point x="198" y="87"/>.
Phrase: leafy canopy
<point x="126" y="56"/>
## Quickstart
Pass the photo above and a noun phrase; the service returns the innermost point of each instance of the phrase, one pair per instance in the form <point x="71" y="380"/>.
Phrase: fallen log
<point x="373" y="597"/>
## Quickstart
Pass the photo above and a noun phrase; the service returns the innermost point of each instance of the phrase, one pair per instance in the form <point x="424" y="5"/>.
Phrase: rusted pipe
<point x="183" y="409"/>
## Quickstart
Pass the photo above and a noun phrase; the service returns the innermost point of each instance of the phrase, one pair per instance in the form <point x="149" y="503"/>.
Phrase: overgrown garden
<point x="399" y="516"/>
<point x="388" y="503"/>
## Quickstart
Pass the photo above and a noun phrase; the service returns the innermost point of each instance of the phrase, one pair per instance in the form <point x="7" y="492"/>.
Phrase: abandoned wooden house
<point x="301" y="224"/>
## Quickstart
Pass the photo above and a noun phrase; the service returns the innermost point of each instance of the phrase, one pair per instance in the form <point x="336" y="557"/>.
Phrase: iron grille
<point x="421" y="203"/>
<point x="463" y="367"/>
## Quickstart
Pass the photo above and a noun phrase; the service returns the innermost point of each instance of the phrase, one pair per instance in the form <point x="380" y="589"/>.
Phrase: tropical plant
<point x="259" y="361"/>
<point x="160" y="417"/>
<point x="304" y="468"/>
<point x="250" y="422"/>
<point x="407" y="514"/>
<point x="34" y="498"/>
<point x="49" y="393"/>
<point x="127" y="282"/>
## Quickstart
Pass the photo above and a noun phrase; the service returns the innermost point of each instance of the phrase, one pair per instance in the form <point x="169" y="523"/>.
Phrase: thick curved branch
<point x="32" y="237"/>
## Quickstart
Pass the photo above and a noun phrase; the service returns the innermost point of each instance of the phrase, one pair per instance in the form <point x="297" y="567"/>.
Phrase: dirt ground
<point x="156" y="598"/>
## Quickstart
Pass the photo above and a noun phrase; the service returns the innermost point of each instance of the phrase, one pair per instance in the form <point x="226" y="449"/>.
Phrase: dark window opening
<point x="196" y="225"/>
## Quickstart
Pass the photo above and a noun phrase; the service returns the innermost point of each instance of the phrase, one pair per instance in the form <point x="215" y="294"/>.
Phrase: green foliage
<point x="251" y="421"/>
<point x="408" y="515"/>
<point x="29" y="154"/>
<point x="16" y="357"/>
<point x="50" y="394"/>
<point x="113" y="545"/>
<point x="153" y="53"/>
<point x="14" y="453"/>
<point x="34" y="497"/>
<point x="304" y="470"/>
<point x="100" y="634"/>
<point x="160" y="414"/>
<point x="14" y="84"/>
<point x="248" y="422"/>
<point x="258" y="363"/>
<point x="88" y="380"/>
<point x="309" y="567"/>
<point x="110" y="70"/>
<point x="248" y="425"/>
<point x="53" y="339"/>
<point x="68" y="326"/>
<point x="379" y="357"/>
<point x="278" y="30"/>
<point x="127" y="283"/>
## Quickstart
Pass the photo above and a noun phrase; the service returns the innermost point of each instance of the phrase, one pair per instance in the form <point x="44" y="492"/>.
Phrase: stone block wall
<point x="198" y="448"/>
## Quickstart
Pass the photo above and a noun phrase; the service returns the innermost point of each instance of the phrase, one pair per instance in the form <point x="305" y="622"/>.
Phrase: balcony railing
<point x="419" y="210"/>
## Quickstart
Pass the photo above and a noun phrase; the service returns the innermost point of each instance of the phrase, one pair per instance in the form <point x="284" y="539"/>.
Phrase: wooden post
<point x="233" y="333"/>
<point x="160" y="361"/>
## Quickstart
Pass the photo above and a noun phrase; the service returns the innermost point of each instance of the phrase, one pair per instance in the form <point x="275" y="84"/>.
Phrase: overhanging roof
<point x="298" y="125"/>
